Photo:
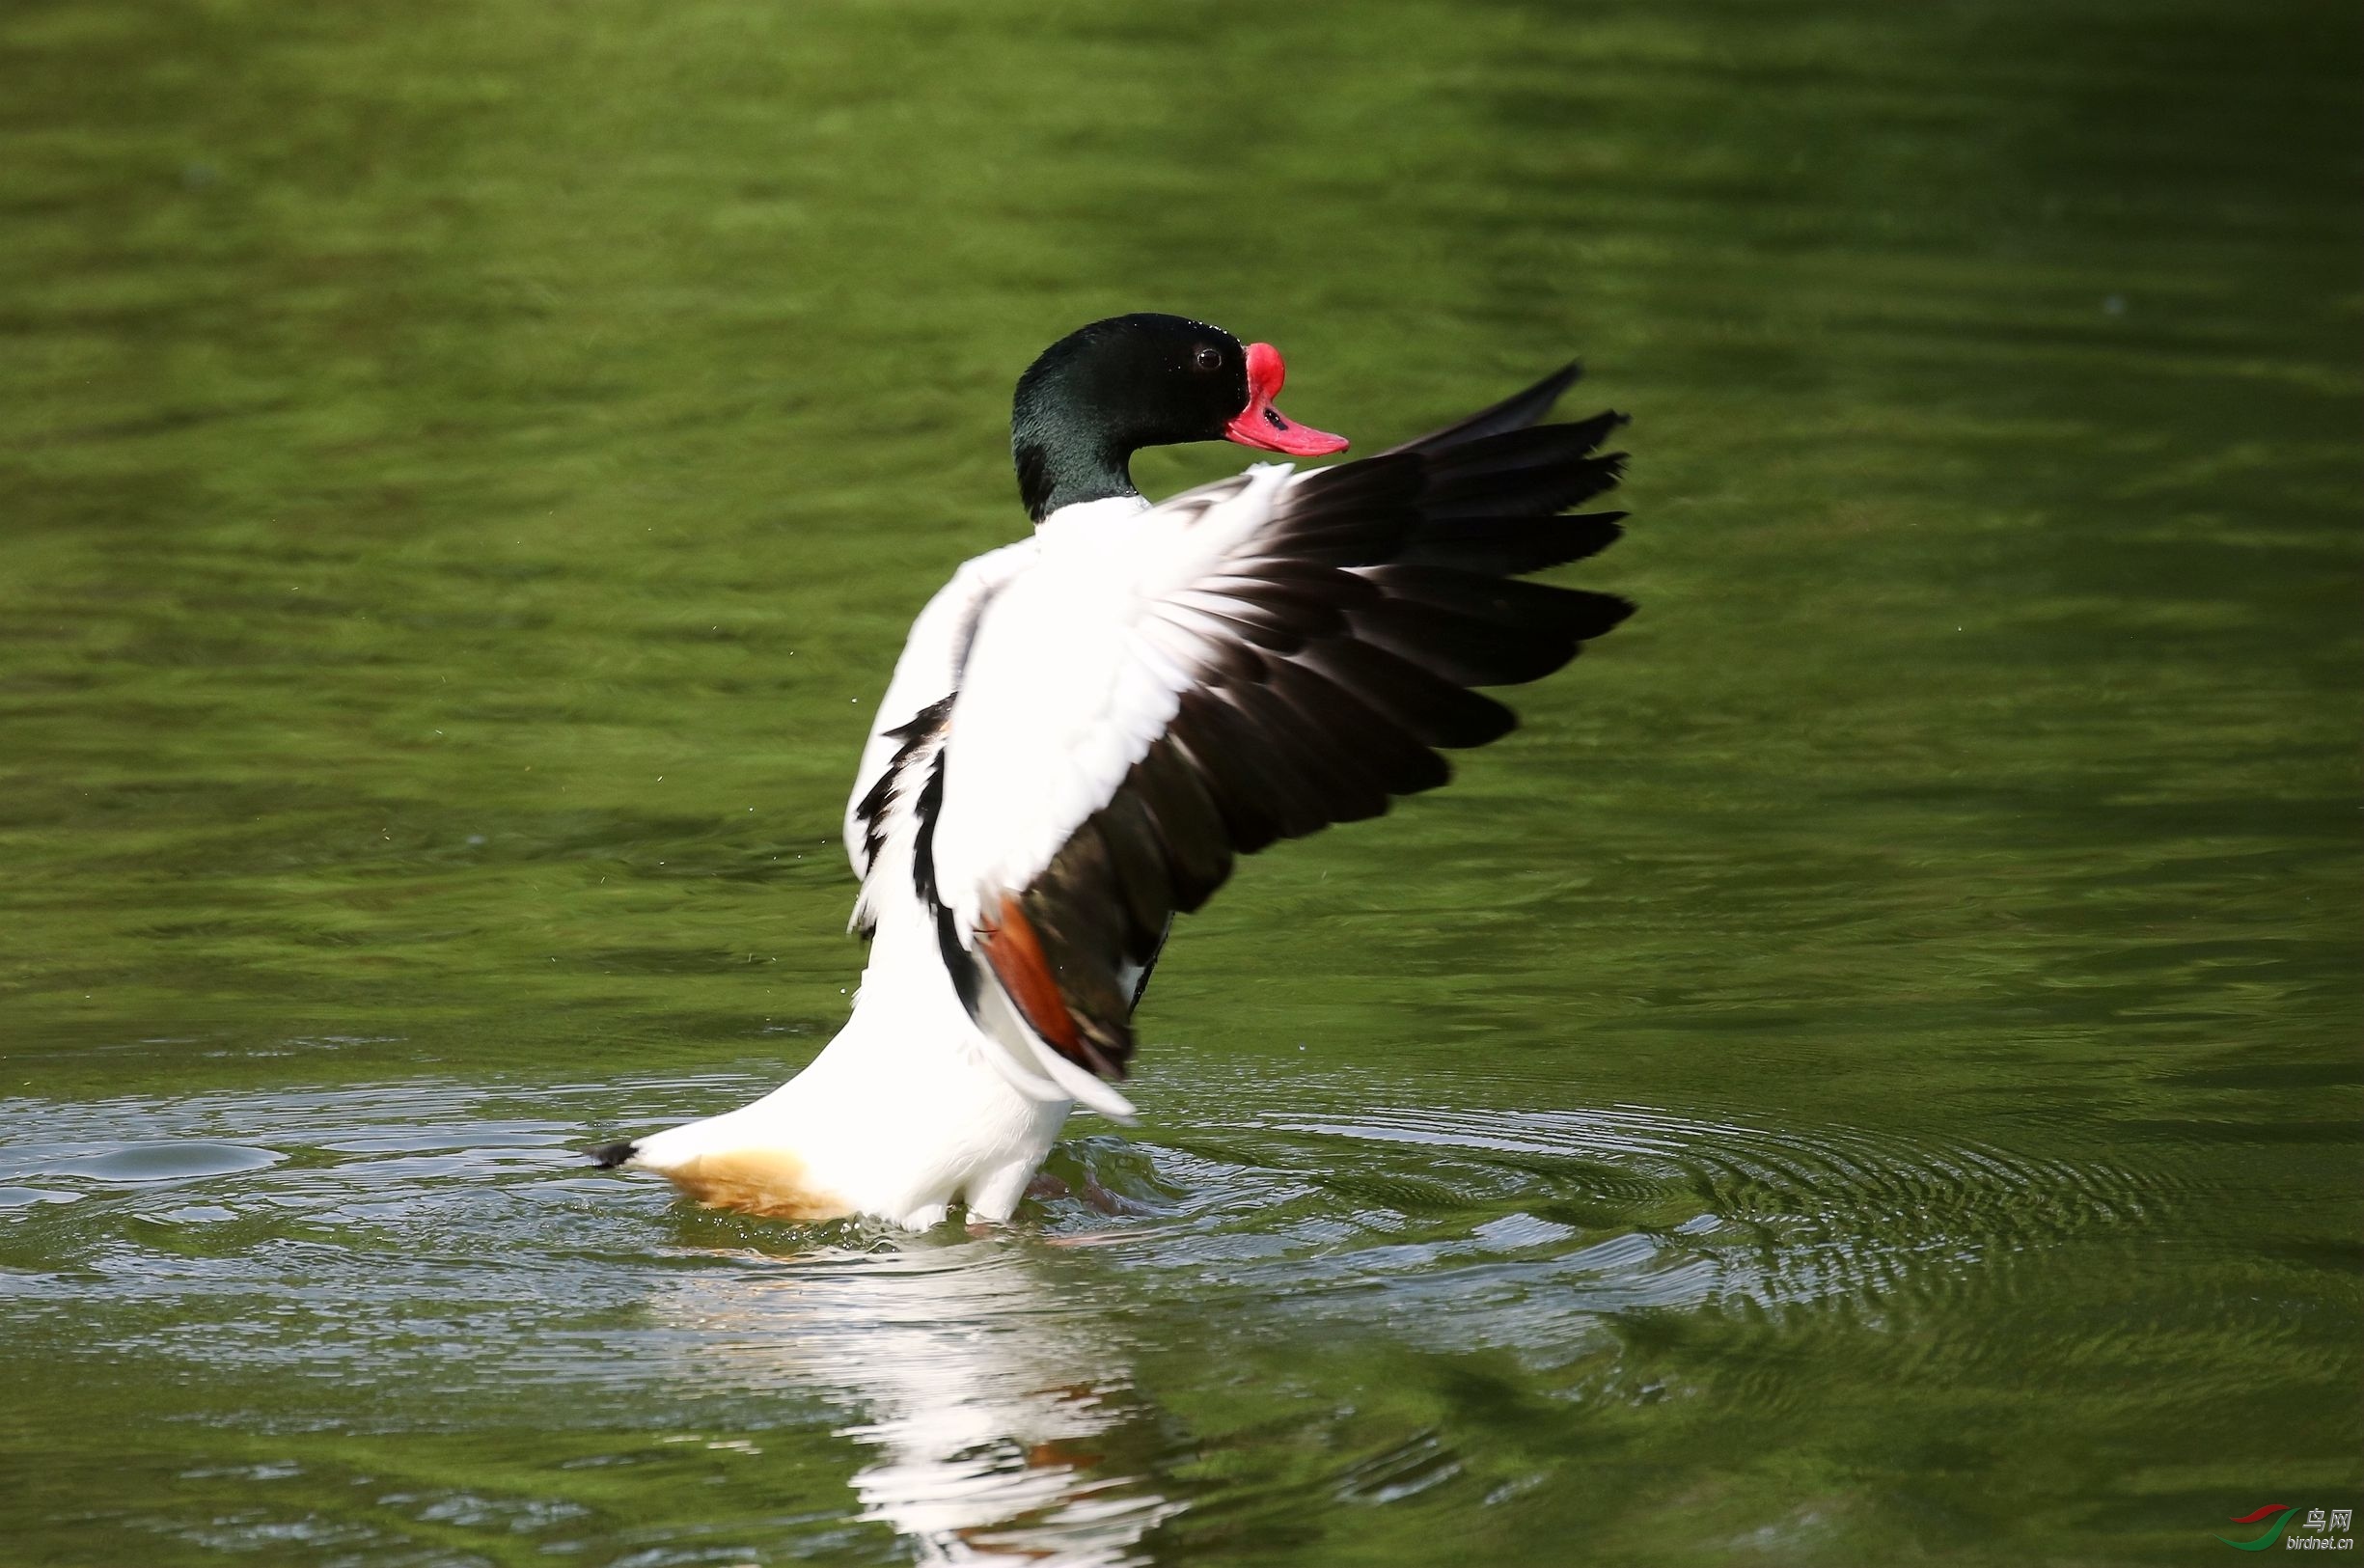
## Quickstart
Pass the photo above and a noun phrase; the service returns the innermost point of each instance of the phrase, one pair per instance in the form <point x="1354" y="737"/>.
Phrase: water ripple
<point x="426" y="1244"/>
<point x="1529" y="1224"/>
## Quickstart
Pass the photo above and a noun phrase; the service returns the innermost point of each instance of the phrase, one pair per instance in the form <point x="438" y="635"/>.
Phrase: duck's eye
<point x="1209" y="357"/>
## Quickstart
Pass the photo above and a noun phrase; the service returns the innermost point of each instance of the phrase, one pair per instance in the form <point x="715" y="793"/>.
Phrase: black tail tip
<point x="608" y="1156"/>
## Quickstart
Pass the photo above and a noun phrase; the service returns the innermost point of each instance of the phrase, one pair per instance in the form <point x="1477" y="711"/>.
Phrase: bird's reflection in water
<point x="989" y="1391"/>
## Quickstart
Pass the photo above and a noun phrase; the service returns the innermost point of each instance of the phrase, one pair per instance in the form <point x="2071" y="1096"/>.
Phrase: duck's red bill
<point x="1262" y="426"/>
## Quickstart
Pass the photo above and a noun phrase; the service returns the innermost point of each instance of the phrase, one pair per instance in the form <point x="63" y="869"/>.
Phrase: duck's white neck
<point x="1085" y="513"/>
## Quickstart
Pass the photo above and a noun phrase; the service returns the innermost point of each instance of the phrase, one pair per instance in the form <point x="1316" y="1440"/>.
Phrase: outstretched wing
<point x="1251" y="661"/>
<point x="916" y="699"/>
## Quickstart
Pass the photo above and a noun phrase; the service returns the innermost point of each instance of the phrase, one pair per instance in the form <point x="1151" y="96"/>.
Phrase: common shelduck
<point x="1088" y="726"/>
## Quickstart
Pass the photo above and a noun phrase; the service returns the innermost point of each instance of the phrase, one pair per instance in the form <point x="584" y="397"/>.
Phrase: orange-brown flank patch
<point x="1016" y="955"/>
<point x="756" y="1182"/>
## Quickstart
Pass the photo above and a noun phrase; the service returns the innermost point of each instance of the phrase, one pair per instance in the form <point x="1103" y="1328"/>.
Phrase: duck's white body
<point x="905" y="1113"/>
<point x="1087" y="727"/>
<point x="902" y="1115"/>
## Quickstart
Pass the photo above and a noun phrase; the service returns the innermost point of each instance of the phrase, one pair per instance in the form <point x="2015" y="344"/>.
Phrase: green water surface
<point x="1868" y="1074"/>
